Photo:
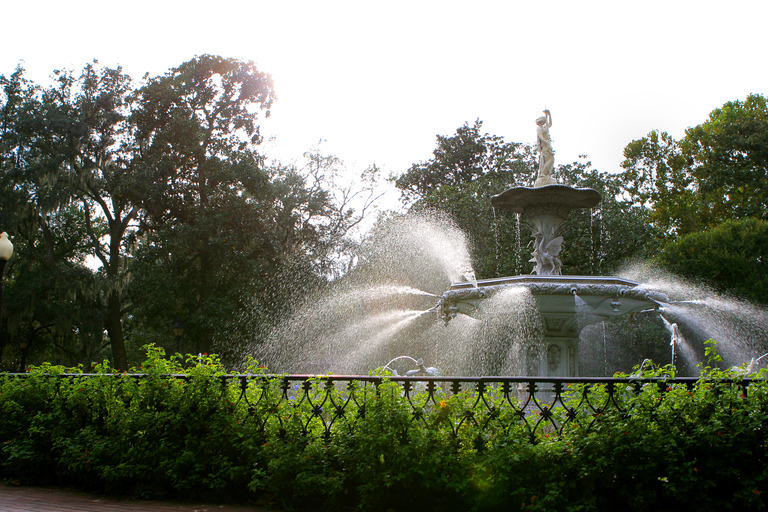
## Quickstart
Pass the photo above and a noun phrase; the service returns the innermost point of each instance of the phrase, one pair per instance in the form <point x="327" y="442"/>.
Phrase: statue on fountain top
<point x="546" y="205"/>
<point x="546" y="153"/>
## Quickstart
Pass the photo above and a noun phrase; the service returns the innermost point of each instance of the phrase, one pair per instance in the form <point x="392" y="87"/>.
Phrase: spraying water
<point x="739" y="327"/>
<point x="386" y="308"/>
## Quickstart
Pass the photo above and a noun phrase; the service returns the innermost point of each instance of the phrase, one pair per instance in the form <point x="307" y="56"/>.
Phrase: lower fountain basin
<point x="566" y="303"/>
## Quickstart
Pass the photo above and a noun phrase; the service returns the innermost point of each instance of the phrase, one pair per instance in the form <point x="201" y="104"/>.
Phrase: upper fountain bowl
<point x="550" y="198"/>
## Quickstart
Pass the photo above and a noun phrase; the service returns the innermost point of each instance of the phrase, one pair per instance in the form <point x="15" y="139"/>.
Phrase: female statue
<point x="546" y="153"/>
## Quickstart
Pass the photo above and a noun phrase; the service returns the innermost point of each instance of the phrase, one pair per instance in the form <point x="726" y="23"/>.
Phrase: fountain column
<point x="546" y="208"/>
<point x="558" y="354"/>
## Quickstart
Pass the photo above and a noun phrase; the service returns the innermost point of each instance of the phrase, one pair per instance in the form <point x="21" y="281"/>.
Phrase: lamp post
<point x="6" y="251"/>
<point x="178" y="331"/>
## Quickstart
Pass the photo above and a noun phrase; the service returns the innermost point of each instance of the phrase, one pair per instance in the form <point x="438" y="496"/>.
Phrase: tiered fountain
<point x="521" y="325"/>
<point x="566" y="303"/>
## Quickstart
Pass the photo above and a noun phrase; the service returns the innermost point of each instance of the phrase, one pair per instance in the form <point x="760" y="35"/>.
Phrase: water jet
<point x="520" y="325"/>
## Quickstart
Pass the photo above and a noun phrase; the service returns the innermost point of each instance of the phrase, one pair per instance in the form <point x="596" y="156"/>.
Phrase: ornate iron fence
<point x="328" y="405"/>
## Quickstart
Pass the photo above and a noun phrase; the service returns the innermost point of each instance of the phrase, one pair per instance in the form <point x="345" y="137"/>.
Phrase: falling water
<point x="497" y="244"/>
<point x="518" y="245"/>
<point x="605" y="349"/>
<point x="584" y="316"/>
<point x="592" y="256"/>
<point x="386" y="309"/>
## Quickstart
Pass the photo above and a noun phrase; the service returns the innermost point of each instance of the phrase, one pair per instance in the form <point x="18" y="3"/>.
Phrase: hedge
<point x="175" y="428"/>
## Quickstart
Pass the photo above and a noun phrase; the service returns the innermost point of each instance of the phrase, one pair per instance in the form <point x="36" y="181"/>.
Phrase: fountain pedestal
<point x="546" y="207"/>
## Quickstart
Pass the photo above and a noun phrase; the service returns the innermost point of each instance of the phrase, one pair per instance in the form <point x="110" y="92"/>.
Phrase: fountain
<point x="566" y="304"/>
<point x="520" y="325"/>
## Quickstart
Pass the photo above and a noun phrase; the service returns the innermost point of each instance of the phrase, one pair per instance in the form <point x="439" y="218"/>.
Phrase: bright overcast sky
<point x="378" y="80"/>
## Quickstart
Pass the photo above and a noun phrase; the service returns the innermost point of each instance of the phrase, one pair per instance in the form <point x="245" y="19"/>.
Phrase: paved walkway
<point x="55" y="499"/>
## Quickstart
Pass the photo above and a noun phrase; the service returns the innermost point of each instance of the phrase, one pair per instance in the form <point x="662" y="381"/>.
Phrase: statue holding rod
<point x="546" y="153"/>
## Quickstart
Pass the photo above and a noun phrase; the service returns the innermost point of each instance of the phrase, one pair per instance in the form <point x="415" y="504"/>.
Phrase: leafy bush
<point x="728" y="256"/>
<point x="182" y="428"/>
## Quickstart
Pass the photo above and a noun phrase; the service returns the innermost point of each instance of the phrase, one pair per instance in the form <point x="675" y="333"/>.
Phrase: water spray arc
<point x="420" y="270"/>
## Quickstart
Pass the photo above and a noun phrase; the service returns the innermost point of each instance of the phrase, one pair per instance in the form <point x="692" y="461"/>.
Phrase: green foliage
<point x="466" y="169"/>
<point x="730" y="153"/>
<point x="49" y="291"/>
<point x="657" y="176"/>
<point x="644" y="442"/>
<point x="600" y="240"/>
<point x="160" y="185"/>
<point x="717" y="172"/>
<point x="729" y="256"/>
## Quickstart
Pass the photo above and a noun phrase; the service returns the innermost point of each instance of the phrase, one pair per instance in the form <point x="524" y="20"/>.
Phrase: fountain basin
<point x="566" y="303"/>
<point x="557" y="200"/>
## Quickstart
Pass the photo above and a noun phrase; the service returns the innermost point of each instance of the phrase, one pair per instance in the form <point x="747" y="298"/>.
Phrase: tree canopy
<point x="703" y="193"/>
<point x="135" y="206"/>
<point x="717" y="172"/>
<point x="730" y="256"/>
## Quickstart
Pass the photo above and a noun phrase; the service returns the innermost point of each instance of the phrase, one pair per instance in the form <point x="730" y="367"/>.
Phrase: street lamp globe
<point x="6" y="251"/>
<point x="6" y="247"/>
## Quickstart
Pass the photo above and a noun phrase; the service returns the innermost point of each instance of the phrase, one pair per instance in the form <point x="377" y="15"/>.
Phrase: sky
<point x="375" y="82"/>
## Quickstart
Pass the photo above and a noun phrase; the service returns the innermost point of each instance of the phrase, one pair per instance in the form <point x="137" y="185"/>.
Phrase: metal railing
<point x="327" y="405"/>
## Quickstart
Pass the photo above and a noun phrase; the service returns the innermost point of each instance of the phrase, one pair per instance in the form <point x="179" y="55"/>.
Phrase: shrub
<point x="183" y="428"/>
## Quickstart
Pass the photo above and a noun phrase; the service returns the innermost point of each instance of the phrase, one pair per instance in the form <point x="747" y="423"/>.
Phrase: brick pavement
<point x="54" y="499"/>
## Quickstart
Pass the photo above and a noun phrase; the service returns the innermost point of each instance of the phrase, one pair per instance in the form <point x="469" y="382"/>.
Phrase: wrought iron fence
<point x="327" y="405"/>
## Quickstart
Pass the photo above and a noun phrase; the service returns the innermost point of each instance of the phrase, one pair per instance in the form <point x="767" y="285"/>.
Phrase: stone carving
<point x="546" y="153"/>
<point x="546" y="251"/>
<point x="553" y="358"/>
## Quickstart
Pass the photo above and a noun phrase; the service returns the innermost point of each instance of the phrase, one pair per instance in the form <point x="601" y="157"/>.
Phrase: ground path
<point x="56" y="499"/>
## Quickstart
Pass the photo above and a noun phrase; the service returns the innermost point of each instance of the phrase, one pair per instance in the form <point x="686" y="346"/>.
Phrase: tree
<point x="459" y="160"/>
<point x="598" y="241"/>
<point x="50" y="298"/>
<point x="315" y="213"/>
<point x="163" y="188"/>
<point x="466" y="169"/>
<point x="202" y="188"/>
<point x="717" y="172"/>
<point x="730" y="155"/>
<point x="94" y="144"/>
<point x="731" y="257"/>
<point x="96" y="154"/>
<point x="657" y="177"/>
